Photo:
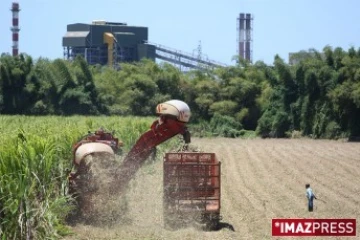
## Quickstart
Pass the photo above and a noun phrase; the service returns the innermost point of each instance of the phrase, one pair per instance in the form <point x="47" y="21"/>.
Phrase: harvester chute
<point x="173" y="116"/>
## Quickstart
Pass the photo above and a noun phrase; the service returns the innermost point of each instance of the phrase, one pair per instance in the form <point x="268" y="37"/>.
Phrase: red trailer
<point x="192" y="189"/>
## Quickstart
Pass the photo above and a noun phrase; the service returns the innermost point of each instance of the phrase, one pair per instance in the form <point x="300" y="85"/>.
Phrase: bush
<point x="293" y="134"/>
<point x="332" y="130"/>
<point x="225" y="126"/>
<point x="273" y="124"/>
<point x="264" y="124"/>
<point x="247" y="133"/>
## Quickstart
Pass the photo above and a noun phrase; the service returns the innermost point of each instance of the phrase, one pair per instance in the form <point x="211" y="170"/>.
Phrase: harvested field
<point x="261" y="180"/>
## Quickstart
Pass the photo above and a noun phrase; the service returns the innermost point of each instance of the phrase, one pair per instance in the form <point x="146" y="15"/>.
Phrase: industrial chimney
<point x="15" y="28"/>
<point x="244" y="27"/>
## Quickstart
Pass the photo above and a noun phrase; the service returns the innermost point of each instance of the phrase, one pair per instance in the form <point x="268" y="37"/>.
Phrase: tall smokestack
<point x="15" y="28"/>
<point x="244" y="26"/>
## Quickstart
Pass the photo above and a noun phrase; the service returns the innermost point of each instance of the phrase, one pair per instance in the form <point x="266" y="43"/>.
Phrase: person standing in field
<point x="310" y="196"/>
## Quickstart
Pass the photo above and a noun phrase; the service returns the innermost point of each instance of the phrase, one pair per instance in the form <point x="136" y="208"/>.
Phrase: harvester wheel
<point x="92" y="181"/>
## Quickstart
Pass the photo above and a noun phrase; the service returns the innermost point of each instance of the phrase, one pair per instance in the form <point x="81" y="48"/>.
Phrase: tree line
<point x="317" y="96"/>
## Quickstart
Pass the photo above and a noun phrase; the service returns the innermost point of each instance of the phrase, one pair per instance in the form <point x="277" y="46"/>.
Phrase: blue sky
<point x="280" y="26"/>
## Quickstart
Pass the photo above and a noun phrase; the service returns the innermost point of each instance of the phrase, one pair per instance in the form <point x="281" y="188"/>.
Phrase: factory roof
<point x="103" y="22"/>
<point x="77" y="34"/>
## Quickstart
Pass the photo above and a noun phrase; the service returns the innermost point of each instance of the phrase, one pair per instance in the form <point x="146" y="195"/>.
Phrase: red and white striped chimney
<point x="15" y="28"/>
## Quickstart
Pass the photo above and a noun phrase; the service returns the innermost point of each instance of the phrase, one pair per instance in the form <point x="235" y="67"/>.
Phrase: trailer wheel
<point x="170" y="221"/>
<point x="212" y="222"/>
<point x="212" y="225"/>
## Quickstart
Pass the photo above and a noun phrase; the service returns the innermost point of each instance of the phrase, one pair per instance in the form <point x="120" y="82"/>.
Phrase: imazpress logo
<point x="314" y="227"/>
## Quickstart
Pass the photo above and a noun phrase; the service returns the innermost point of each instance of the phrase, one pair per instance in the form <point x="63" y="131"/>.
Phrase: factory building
<point x="108" y="43"/>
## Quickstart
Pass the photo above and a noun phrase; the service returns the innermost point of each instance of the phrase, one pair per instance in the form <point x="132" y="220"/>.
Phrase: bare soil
<point x="261" y="179"/>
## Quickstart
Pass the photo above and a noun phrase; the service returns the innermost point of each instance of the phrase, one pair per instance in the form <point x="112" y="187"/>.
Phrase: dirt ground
<point x="261" y="179"/>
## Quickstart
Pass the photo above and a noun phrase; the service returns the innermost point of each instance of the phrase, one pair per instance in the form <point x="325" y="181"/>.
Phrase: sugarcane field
<point x="261" y="179"/>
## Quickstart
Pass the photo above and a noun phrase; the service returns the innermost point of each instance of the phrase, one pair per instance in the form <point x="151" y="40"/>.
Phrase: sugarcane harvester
<point x="191" y="179"/>
<point x="173" y="116"/>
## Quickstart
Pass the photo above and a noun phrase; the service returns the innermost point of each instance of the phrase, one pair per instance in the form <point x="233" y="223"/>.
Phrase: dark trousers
<point x="311" y="204"/>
